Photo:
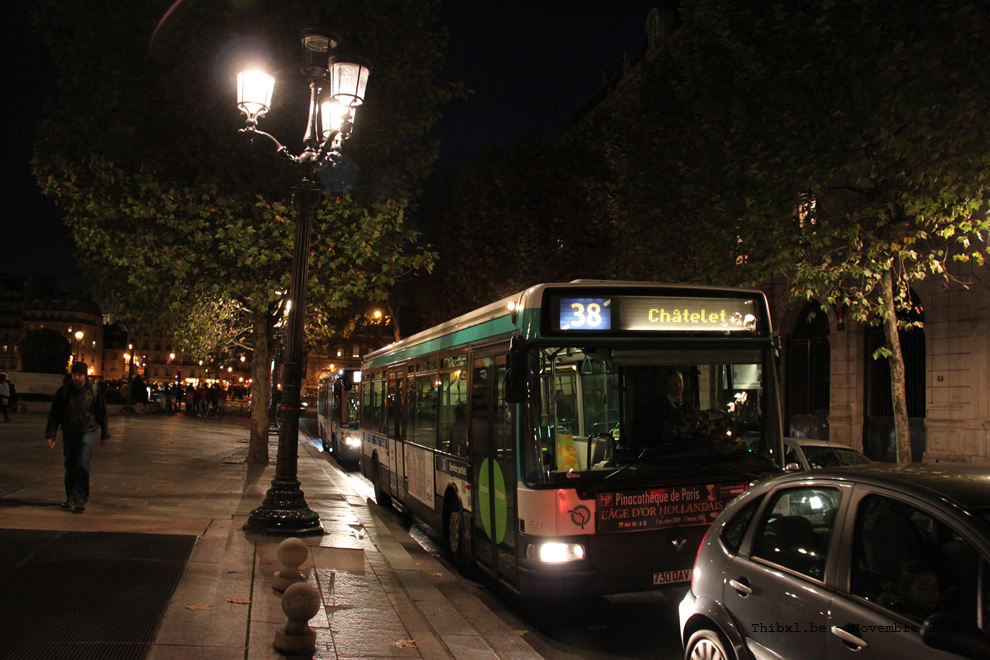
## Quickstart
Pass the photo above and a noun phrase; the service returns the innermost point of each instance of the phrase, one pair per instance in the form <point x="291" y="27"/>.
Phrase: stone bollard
<point x="300" y="602"/>
<point x="292" y="553"/>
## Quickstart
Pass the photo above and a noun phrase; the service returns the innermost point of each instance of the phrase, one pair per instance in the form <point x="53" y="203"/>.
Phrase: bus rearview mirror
<point x="515" y="373"/>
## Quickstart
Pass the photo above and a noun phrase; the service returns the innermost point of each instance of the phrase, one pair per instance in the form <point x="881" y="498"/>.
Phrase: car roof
<point x="812" y="442"/>
<point x="965" y="485"/>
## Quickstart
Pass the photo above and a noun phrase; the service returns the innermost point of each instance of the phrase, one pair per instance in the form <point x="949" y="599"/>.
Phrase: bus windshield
<point x="600" y="411"/>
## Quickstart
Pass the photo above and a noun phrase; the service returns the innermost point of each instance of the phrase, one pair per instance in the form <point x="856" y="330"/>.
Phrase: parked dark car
<point x="811" y="454"/>
<point x="871" y="561"/>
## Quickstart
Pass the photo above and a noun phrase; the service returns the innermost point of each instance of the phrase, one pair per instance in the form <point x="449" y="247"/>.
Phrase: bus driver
<point x="654" y="427"/>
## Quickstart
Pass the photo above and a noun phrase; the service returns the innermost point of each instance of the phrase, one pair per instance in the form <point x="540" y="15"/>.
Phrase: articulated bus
<point x="539" y="434"/>
<point x="337" y="413"/>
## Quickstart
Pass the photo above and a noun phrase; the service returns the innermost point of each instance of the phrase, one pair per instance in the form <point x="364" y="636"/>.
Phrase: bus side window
<point x="394" y="425"/>
<point x="368" y="403"/>
<point x="378" y="403"/>
<point x="453" y="405"/>
<point x="422" y="411"/>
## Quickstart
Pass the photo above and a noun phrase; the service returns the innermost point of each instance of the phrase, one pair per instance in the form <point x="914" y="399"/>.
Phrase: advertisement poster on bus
<point x="657" y="508"/>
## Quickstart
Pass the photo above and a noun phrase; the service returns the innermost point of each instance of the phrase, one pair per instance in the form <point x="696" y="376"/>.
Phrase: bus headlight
<point x="554" y="552"/>
<point x="351" y="441"/>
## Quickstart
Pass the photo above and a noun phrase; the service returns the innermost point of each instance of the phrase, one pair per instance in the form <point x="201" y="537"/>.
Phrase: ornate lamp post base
<point x="284" y="511"/>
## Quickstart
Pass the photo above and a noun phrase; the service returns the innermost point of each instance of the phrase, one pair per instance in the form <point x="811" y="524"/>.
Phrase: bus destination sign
<point x="656" y="314"/>
<point x="658" y="508"/>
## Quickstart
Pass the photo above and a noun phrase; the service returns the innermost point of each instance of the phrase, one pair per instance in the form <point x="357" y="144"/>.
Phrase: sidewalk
<point x="381" y="598"/>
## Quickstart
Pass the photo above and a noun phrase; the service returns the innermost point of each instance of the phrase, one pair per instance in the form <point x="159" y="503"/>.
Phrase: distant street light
<point x="128" y="408"/>
<point x="331" y="116"/>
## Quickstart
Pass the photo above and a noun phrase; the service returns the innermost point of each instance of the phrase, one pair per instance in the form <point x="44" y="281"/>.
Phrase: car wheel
<point x="706" y="645"/>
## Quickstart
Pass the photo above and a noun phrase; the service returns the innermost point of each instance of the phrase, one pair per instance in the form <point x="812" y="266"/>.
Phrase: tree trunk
<point x="898" y="390"/>
<point x="260" y="373"/>
<point x="396" y="334"/>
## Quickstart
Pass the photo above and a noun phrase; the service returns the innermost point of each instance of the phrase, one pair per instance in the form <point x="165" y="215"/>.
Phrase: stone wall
<point x="957" y="330"/>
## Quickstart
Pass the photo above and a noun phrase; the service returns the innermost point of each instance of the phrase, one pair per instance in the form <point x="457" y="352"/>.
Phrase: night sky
<point x="531" y="63"/>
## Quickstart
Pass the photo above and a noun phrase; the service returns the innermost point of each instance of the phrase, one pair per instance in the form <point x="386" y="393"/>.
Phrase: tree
<point x="174" y="214"/>
<point x="850" y="144"/>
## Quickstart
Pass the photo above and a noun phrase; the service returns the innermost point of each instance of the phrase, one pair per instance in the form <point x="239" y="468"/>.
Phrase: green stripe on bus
<point x="502" y="325"/>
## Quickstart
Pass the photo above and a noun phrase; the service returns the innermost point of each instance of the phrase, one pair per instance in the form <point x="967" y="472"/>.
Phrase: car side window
<point x="796" y="529"/>
<point x="735" y="529"/>
<point x="912" y="563"/>
<point x="790" y="456"/>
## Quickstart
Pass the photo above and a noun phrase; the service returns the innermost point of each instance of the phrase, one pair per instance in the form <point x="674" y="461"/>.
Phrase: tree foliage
<point x="845" y="144"/>
<point x="178" y="218"/>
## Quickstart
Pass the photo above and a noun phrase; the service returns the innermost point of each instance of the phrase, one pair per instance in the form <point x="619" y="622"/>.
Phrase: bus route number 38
<point x="585" y="314"/>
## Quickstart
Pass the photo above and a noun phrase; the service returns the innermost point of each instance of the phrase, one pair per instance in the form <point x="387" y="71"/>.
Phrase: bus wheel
<point x="453" y="533"/>
<point x="381" y="497"/>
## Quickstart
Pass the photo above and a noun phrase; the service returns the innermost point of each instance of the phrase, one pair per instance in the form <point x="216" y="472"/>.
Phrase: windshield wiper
<point x="597" y="486"/>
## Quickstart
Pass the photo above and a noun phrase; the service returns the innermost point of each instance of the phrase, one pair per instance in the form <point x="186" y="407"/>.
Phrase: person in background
<point x="201" y="400"/>
<point x="139" y="391"/>
<point x="5" y="397"/>
<point x="80" y="410"/>
<point x="565" y="410"/>
<point x="12" y="405"/>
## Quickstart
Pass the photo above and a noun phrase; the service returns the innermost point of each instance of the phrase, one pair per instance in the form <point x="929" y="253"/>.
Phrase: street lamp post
<point x="331" y="115"/>
<point x="79" y="337"/>
<point x="128" y="408"/>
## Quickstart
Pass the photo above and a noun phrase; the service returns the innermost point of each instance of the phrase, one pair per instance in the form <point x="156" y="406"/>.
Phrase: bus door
<point x="493" y="463"/>
<point x="395" y="423"/>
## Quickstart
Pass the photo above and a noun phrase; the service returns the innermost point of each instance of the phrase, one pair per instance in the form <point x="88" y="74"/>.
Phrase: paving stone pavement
<point x="187" y="475"/>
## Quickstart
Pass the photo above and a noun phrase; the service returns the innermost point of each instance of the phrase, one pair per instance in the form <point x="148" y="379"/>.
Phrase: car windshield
<point x="823" y="457"/>
<point x="603" y="411"/>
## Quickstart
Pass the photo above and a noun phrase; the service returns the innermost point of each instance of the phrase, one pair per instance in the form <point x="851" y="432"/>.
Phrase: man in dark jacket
<point x="80" y="410"/>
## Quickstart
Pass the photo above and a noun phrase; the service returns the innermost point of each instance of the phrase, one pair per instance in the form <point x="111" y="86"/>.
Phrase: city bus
<point x="536" y="434"/>
<point x="337" y="413"/>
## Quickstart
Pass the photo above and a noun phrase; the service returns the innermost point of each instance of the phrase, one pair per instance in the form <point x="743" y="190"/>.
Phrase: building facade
<point x="833" y="387"/>
<point x="33" y="303"/>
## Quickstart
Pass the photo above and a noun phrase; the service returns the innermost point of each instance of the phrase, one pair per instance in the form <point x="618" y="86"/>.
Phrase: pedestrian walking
<point x="80" y="410"/>
<point x="5" y="397"/>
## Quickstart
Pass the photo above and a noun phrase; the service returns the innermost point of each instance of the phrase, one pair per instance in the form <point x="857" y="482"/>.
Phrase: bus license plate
<point x="671" y="577"/>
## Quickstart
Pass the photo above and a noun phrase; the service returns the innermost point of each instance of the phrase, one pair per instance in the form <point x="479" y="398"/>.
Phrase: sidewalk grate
<point x="86" y="594"/>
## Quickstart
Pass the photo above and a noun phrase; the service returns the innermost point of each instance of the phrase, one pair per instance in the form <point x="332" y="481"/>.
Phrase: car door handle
<point x="848" y="637"/>
<point x="741" y="586"/>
